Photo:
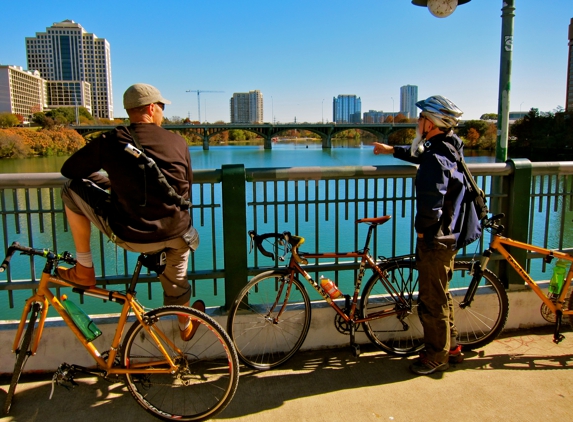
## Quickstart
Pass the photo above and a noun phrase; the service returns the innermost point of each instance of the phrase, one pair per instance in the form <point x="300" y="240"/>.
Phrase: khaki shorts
<point x="85" y="198"/>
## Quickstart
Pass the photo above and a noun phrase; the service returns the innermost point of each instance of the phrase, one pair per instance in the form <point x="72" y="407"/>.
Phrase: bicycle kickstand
<point x="557" y="336"/>
<point x="355" y="346"/>
<point x="64" y="376"/>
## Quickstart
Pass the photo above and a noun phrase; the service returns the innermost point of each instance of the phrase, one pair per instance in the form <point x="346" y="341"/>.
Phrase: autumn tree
<point x="8" y="120"/>
<point x="12" y="145"/>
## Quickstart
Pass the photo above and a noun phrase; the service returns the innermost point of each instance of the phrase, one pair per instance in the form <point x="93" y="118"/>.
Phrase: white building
<point x="22" y="92"/>
<point x="66" y="52"/>
<point x="247" y="107"/>
<point x="408" y="100"/>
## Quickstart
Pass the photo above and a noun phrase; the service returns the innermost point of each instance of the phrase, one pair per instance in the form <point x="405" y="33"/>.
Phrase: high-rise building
<point x="569" y="99"/>
<point x="347" y="109"/>
<point x="373" y="116"/>
<point x="22" y="92"/>
<point x="247" y="107"/>
<point x="69" y="55"/>
<point x="408" y="99"/>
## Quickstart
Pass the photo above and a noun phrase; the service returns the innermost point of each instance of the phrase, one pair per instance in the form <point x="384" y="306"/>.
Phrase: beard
<point x="417" y="146"/>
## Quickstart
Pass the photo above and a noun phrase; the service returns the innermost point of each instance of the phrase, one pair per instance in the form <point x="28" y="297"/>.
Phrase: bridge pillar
<point x="205" y="143"/>
<point x="327" y="141"/>
<point x="268" y="142"/>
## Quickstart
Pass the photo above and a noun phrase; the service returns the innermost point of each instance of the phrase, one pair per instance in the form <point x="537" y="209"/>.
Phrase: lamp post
<point x="444" y="8"/>
<point x="322" y="108"/>
<point x="393" y="117"/>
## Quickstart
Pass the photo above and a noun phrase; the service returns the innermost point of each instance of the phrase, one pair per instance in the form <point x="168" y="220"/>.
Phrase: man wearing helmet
<point x="443" y="224"/>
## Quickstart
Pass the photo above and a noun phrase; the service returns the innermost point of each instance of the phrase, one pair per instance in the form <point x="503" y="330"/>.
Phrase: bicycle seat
<point x="155" y="262"/>
<point x="375" y="220"/>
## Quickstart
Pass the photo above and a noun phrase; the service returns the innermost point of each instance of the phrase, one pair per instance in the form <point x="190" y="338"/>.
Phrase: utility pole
<point x="199" y="91"/>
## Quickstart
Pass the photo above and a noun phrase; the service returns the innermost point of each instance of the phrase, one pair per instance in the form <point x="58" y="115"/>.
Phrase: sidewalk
<point x="522" y="376"/>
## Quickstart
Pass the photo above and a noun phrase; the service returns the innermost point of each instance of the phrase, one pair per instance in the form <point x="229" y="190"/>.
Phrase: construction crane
<point x="199" y="91"/>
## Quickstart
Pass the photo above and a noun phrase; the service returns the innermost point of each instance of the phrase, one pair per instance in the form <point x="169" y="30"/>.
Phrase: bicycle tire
<point x="570" y="306"/>
<point x="261" y="341"/>
<point x="401" y="333"/>
<point x="483" y="320"/>
<point x="208" y="372"/>
<point x="22" y="354"/>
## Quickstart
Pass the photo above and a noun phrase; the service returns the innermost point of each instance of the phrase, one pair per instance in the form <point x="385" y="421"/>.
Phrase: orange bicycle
<point x="554" y="305"/>
<point x="170" y="378"/>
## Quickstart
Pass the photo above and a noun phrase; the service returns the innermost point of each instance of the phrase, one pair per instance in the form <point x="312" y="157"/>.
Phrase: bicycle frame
<point x="499" y="244"/>
<point x="45" y="297"/>
<point x="366" y="260"/>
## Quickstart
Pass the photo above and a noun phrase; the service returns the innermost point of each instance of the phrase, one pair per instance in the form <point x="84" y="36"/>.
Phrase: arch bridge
<point x="268" y="131"/>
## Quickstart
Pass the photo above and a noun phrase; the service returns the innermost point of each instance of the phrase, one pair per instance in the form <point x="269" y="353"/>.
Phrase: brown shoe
<point x="188" y="333"/>
<point x="78" y="275"/>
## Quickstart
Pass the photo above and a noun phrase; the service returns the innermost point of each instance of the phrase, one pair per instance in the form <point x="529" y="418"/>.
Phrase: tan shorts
<point x="85" y="198"/>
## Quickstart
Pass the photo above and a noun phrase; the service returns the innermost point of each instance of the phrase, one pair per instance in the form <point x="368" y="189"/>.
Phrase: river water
<point x="283" y="154"/>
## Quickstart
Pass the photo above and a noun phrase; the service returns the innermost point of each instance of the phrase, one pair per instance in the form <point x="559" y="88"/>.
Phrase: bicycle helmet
<point x="441" y="111"/>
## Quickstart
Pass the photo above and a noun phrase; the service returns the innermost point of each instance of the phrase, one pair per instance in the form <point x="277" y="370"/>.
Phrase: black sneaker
<point x="423" y="366"/>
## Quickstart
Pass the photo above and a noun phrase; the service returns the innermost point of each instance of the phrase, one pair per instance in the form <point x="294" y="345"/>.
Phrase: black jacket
<point x="442" y="213"/>
<point x="139" y="210"/>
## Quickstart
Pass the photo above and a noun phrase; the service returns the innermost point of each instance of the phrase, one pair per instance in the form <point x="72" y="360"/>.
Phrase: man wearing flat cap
<point x="129" y="203"/>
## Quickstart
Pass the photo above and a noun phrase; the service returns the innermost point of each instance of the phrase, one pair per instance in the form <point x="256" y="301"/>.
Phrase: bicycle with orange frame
<point x="170" y="378"/>
<point x="554" y="305"/>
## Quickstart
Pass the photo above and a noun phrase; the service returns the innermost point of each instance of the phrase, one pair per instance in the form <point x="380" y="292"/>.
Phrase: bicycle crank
<point x="342" y="325"/>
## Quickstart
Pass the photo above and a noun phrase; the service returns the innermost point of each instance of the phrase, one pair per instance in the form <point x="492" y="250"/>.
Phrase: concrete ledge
<point x="58" y="344"/>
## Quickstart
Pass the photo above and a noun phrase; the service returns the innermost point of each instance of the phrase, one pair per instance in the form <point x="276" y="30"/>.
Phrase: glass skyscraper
<point x="408" y="99"/>
<point x="347" y="109"/>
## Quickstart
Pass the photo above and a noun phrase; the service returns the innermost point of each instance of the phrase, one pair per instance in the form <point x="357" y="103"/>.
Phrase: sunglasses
<point x="161" y="105"/>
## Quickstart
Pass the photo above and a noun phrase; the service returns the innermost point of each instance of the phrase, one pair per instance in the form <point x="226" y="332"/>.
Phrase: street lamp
<point x="393" y="117"/>
<point x="508" y="9"/>
<point x="322" y="111"/>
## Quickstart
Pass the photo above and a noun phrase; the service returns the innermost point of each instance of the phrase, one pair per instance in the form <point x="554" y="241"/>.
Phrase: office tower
<point x="346" y="109"/>
<point x="247" y="107"/>
<point x="408" y="99"/>
<point x="66" y="53"/>
<point x="21" y="92"/>
<point x="569" y="99"/>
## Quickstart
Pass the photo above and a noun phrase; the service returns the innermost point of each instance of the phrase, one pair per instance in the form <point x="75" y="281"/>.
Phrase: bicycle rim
<point x="400" y="333"/>
<point x="482" y="321"/>
<point x="208" y="366"/>
<point x="22" y="355"/>
<point x="264" y="339"/>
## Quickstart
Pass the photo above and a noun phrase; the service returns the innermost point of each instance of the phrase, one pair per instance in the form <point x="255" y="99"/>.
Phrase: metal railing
<point x="320" y="204"/>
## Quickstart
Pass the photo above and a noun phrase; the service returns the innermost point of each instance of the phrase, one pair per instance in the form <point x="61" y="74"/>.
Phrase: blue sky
<point x="302" y="53"/>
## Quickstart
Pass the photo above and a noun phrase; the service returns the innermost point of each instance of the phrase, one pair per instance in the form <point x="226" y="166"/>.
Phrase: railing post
<point x="233" y="183"/>
<point x="519" y="200"/>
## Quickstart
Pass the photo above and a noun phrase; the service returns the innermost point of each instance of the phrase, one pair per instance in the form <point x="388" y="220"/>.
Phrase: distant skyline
<point x="296" y="53"/>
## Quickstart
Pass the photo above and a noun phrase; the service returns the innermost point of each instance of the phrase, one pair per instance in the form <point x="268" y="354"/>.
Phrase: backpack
<point x="474" y="193"/>
<point x="474" y="198"/>
<point x="146" y="162"/>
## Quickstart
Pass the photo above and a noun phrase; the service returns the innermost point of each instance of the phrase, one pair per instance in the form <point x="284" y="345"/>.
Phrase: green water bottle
<point x="81" y="319"/>
<point x="558" y="277"/>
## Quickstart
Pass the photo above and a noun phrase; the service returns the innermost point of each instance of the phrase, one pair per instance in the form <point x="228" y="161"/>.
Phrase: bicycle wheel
<point x="22" y="354"/>
<point x="265" y="333"/>
<point x="570" y="306"/>
<point x="481" y="322"/>
<point x="208" y="366"/>
<point x="400" y="333"/>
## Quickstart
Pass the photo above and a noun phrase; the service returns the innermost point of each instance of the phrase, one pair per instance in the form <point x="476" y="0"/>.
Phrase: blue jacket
<point x="443" y="215"/>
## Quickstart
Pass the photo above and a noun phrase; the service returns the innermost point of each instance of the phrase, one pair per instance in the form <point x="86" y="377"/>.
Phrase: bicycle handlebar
<point x="284" y="238"/>
<point x="494" y="223"/>
<point x="26" y="250"/>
